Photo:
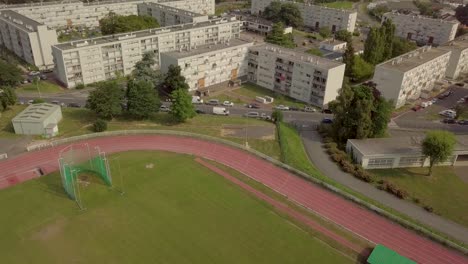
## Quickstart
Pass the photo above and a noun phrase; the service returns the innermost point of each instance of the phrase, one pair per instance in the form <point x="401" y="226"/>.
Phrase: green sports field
<point x="173" y="211"/>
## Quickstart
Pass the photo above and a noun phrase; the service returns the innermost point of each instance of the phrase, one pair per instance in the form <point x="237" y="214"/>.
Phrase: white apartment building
<point x="27" y="38"/>
<point x="305" y="77"/>
<point x="406" y="77"/>
<point x="169" y="16"/>
<point x="211" y="64"/>
<point x="423" y="30"/>
<point x="204" y="7"/>
<point x="98" y="59"/>
<point x="315" y="16"/>
<point x="458" y="63"/>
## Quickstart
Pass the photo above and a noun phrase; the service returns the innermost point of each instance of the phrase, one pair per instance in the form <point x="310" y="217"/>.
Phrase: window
<point x="410" y="161"/>
<point x="380" y="163"/>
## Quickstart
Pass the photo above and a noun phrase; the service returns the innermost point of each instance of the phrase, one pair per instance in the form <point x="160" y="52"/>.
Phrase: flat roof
<point x="293" y="55"/>
<point x="333" y="42"/>
<point x="399" y="145"/>
<point x="396" y="14"/>
<point x="413" y="59"/>
<point x="139" y="34"/>
<point x="21" y="21"/>
<point x="459" y="43"/>
<point x="36" y="113"/>
<point x="384" y="255"/>
<point x="164" y="7"/>
<point x="208" y="48"/>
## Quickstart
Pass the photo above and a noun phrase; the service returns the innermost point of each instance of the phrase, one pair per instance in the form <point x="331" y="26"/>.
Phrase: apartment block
<point x="97" y="59"/>
<point x="317" y="16"/>
<point x="27" y="38"/>
<point x="305" y="77"/>
<point x="210" y="64"/>
<point x="423" y="30"/>
<point x="407" y="77"/>
<point x="169" y="16"/>
<point x="204" y="7"/>
<point x="458" y="63"/>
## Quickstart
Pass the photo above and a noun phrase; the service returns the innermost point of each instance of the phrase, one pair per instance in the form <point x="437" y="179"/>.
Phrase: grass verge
<point x="44" y="87"/>
<point x="251" y="90"/>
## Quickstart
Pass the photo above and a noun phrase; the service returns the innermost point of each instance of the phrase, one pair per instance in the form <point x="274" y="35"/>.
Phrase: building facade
<point x="211" y="64"/>
<point x="38" y="119"/>
<point x="423" y="30"/>
<point x="98" y="59"/>
<point x="458" y="63"/>
<point x="170" y="16"/>
<point x="305" y="77"/>
<point x="406" y="77"/>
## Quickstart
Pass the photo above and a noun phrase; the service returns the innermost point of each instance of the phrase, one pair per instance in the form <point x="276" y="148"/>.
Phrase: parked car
<point x="265" y="116"/>
<point x="293" y="108"/>
<point x="256" y="106"/>
<point x="252" y="114"/>
<point x="445" y="94"/>
<point x="460" y="84"/>
<point x="461" y="101"/>
<point x="47" y="71"/>
<point x="74" y="105"/>
<point x="198" y="111"/>
<point x="327" y="111"/>
<point x="463" y="122"/>
<point x="213" y="102"/>
<point x="43" y="77"/>
<point x="449" y="121"/>
<point x="34" y="73"/>
<point x="416" y="108"/>
<point x="448" y="113"/>
<point x="164" y="108"/>
<point x="426" y="104"/>
<point x="281" y="107"/>
<point x="25" y="81"/>
<point x="309" y="109"/>
<point x="228" y="103"/>
<point x="434" y="100"/>
<point x="55" y="102"/>
<point x="327" y="121"/>
<point x="30" y="101"/>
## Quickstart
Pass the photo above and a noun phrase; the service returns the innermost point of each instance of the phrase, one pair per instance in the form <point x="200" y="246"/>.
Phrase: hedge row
<point x="346" y="164"/>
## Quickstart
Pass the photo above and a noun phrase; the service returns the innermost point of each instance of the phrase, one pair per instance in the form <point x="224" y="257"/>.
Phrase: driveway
<point x="317" y="155"/>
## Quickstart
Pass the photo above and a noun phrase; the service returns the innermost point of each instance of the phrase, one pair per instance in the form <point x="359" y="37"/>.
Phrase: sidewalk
<point x="313" y="145"/>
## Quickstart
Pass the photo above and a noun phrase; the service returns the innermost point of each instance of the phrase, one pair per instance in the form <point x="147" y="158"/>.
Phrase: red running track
<point x="363" y="222"/>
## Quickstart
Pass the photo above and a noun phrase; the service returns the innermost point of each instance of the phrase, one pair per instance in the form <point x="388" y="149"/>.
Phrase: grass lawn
<point x="315" y="51"/>
<point x="444" y="191"/>
<point x="339" y="4"/>
<point x="44" y="87"/>
<point x="252" y="90"/>
<point x="6" y="128"/>
<point x="169" y="214"/>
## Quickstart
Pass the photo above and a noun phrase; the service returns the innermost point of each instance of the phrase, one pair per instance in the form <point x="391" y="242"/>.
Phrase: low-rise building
<point x="423" y="30"/>
<point x="256" y="24"/>
<point x="27" y="38"/>
<point x="38" y="119"/>
<point x="210" y="64"/>
<point x="400" y="152"/>
<point x="458" y="63"/>
<point x="302" y="76"/>
<point x="333" y="45"/>
<point x="169" y="16"/>
<point x="405" y="77"/>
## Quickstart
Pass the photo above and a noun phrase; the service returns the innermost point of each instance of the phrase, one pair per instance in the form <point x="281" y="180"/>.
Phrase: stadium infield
<point x="174" y="210"/>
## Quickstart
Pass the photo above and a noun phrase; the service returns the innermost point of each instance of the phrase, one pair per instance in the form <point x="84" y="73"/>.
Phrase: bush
<point x="327" y="140"/>
<point x="391" y="188"/>
<point x="337" y="157"/>
<point x="362" y="174"/>
<point x="80" y="86"/>
<point x="428" y="208"/>
<point x="38" y="101"/>
<point x="380" y="181"/>
<point x="347" y="166"/>
<point x="356" y="33"/>
<point x="100" y="125"/>
<point x="416" y="200"/>
<point x="333" y="150"/>
<point x="330" y="145"/>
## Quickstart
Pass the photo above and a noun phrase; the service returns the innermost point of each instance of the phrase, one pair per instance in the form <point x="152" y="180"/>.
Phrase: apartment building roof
<point x="36" y="113"/>
<point x="413" y="59"/>
<point x="208" y="48"/>
<point x="173" y="9"/>
<point x="459" y="43"/>
<point x="21" y="21"/>
<point x="39" y="4"/>
<point x="292" y="55"/>
<point x="396" y="14"/>
<point x="350" y="11"/>
<point x="140" y="34"/>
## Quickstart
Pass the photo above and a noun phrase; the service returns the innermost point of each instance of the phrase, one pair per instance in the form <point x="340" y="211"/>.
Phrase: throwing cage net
<point x="80" y="158"/>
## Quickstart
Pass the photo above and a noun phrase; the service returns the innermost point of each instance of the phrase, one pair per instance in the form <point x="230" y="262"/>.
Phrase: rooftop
<point x="413" y="59"/>
<point x="173" y="9"/>
<point x="332" y="42"/>
<point x="384" y="255"/>
<point x="36" y="113"/>
<point x="296" y="56"/>
<point x="399" y="145"/>
<point x="208" y="48"/>
<point x="21" y="21"/>
<point x="139" y="34"/>
<point x="459" y="43"/>
<point x="396" y="14"/>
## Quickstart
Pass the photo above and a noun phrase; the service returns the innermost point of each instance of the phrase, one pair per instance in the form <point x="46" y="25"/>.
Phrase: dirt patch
<point x="149" y="166"/>
<point x="50" y="230"/>
<point x="257" y="132"/>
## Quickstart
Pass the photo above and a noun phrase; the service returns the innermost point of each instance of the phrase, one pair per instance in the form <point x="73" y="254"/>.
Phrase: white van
<point x="220" y="111"/>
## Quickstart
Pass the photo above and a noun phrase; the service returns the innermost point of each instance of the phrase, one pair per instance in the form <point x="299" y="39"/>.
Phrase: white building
<point x="169" y="16"/>
<point x="211" y="64"/>
<point x="333" y="45"/>
<point x="28" y="39"/>
<point x="315" y="16"/>
<point x="458" y="63"/>
<point x="400" y="152"/>
<point x="305" y="77"/>
<point x="98" y="59"/>
<point x="38" y="119"/>
<point x="406" y="77"/>
<point x="423" y="30"/>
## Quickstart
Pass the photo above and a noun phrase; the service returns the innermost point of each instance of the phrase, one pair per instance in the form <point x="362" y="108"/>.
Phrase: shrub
<point x="337" y="157"/>
<point x="428" y="208"/>
<point x="100" y="125"/>
<point x="380" y="181"/>
<point x="330" y="145"/>
<point x="333" y="150"/>
<point x="381" y="187"/>
<point x="38" y="101"/>
<point x="80" y="86"/>
<point x="327" y="140"/>
<point x="356" y="33"/>
<point x="347" y="166"/>
<point x="391" y="188"/>
<point x="362" y="174"/>
<point x="416" y="200"/>
<point x="402" y="194"/>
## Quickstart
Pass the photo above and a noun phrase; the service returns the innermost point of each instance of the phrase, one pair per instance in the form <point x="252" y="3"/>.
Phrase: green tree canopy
<point x="173" y="80"/>
<point x="142" y="100"/>
<point x="287" y="13"/>
<point x="113" y="23"/>
<point x="387" y="30"/>
<point x="348" y="59"/>
<point x="277" y="116"/>
<point x="461" y="13"/>
<point x="325" y="32"/>
<point x="374" y="46"/>
<point x="182" y="107"/>
<point x="361" y="70"/>
<point x="438" y="146"/>
<point x="10" y="75"/>
<point x="7" y="97"/>
<point x="278" y="37"/>
<point x="106" y="100"/>
<point x="344" y="35"/>
<point x="401" y="46"/>
<point x="144" y="69"/>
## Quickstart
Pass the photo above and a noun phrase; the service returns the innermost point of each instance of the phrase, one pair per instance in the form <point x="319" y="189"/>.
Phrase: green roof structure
<point x="384" y="255"/>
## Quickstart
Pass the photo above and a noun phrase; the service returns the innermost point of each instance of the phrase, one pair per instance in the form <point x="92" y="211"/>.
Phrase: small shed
<point x="38" y="119"/>
<point x="384" y="255"/>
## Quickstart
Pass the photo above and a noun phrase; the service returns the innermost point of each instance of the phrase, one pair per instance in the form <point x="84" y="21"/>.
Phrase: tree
<point x="401" y="46"/>
<point x="106" y="100"/>
<point x="388" y="33"/>
<point x="344" y="35"/>
<point x="461" y="13"/>
<point x="173" y="80"/>
<point x="278" y="37"/>
<point x="9" y="75"/>
<point x="361" y="70"/>
<point x="287" y="13"/>
<point x="272" y="11"/>
<point x="144" y="69"/>
<point x="7" y="97"/>
<point x="381" y="115"/>
<point x="460" y="110"/>
<point x="38" y="101"/>
<point x="348" y="59"/>
<point x="438" y="146"/>
<point x="277" y="116"/>
<point x="142" y="100"/>
<point x="374" y="46"/>
<point x="182" y="107"/>
<point x="113" y="23"/>
<point x="325" y="32"/>
<point x="100" y="125"/>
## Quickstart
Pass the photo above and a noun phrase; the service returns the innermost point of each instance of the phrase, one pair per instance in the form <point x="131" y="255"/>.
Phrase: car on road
<point x="449" y="121"/>
<point x="198" y="111"/>
<point x="460" y="84"/>
<point x="228" y="103"/>
<point x="252" y="114"/>
<point x="327" y="121"/>
<point x="327" y="111"/>
<point x="445" y="94"/>
<point x="461" y="101"/>
<point x="416" y="108"/>
<point x="434" y="100"/>
<point x="463" y="122"/>
<point x="293" y="108"/>
<point x="255" y="106"/>
<point x="448" y="113"/>
<point x="426" y="104"/>
<point x="74" y="105"/>
<point x="164" y="108"/>
<point x="281" y="107"/>
<point x="34" y="73"/>
<point x="265" y="116"/>
<point x="213" y="102"/>
<point x="43" y="77"/>
<point x="30" y="102"/>
<point x="309" y="109"/>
